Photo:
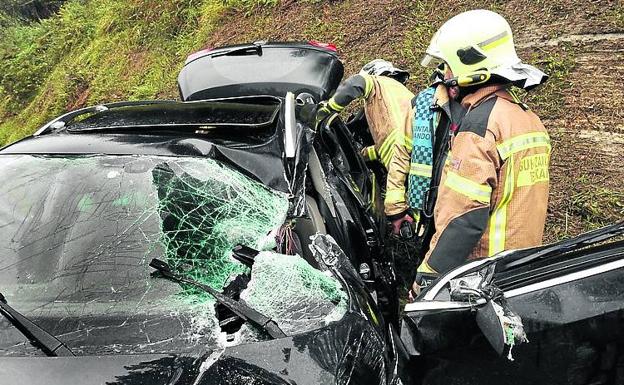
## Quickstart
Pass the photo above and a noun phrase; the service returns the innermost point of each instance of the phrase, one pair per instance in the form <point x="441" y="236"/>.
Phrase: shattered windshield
<point x="77" y="235"/>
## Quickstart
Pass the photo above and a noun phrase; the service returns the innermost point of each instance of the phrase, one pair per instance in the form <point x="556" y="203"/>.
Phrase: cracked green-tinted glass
<point x="206" y="210"/>
<point x="293" y="293"/>
<point x="78" y="234"/>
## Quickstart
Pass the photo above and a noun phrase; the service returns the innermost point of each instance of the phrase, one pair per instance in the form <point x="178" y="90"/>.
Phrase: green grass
<point x="549" y="100"/>
<point x="96" y="51"/>
<point x="598" y="207"/>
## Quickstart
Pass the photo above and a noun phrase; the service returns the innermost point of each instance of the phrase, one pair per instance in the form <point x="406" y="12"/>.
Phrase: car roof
<point x="138" y="128"/>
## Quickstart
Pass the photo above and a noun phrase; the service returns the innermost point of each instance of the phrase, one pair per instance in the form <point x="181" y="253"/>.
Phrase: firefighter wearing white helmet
<point x="493" y="192"/>
<point x="387" y="106"/>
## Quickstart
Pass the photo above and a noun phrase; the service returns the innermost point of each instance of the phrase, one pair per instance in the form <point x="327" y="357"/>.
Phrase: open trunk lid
<point x="261" y="69"/>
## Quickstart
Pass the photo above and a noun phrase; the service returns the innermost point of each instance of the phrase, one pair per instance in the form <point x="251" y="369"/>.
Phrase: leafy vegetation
<point x="96" y="51"/>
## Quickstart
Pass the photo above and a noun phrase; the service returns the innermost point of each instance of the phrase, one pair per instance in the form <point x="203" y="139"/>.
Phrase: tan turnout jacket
<point x="494" y="188"/>
<point x="388" y="109"/>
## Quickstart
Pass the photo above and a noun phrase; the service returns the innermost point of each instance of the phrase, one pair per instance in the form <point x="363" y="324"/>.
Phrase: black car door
<point x="572" y="309"/>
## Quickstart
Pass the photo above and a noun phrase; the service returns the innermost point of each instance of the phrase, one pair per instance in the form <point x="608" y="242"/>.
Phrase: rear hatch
<point x="261" y="69"/>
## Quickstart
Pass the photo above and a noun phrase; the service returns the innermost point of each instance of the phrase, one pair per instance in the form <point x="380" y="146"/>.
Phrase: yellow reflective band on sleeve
<point x="523" y="142"/>
<point x="473" y="190"/>
<point x="419" y="169"/>
<point x="369" y="86"/>
<point x="407" y="143"/>
<point x="395" y="195"/>
<point x="385" y="151"/>
<point x="533" y="169"/>
<point x="335" y="106"/>
<point x="371" y="153"/>
<point x="498" y="218"/>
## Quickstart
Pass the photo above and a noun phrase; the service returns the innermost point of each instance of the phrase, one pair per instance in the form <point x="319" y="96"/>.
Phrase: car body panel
<point x="261" y="69"/>
<point x="571" y="308"/>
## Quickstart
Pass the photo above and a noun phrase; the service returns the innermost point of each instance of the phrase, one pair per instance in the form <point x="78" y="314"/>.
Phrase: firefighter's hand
<point x="397" y="223"/>
<point x="422" y="281"/>
<point x="323" y="111"/>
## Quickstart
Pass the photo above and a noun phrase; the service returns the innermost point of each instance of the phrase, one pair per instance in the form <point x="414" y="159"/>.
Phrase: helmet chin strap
<point x="476" y="78"/>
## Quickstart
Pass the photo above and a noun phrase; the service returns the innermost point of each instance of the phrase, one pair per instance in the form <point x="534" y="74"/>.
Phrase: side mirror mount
<point x="501" y="327"/>
<point x="499" y="324"/>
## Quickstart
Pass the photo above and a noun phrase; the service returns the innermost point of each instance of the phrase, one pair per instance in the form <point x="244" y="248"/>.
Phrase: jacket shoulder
<point x="476" y="120"/>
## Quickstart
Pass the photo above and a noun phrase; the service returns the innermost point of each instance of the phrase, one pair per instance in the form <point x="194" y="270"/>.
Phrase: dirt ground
<point x="580" y="44"/>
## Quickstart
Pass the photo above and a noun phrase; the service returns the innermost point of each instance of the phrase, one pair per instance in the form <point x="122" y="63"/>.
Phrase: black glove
<point x="425" y="279"/>
<point x="421" y="281"/>
<point x="323" y="111"/>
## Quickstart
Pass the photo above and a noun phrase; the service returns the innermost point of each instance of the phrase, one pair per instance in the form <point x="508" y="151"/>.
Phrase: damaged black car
<point x="214" y="240"/>
<point x="223" y="239"/>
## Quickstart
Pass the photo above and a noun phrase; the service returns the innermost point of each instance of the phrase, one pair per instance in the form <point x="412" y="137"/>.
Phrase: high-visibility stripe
<point x="473" y="190"/>
<point x="386" y="150"/>
<point x="407" y="143"/>
<point x="420" y="169"/>
<point x="498" y="219"/>
<point x="371" y="153"/>
<point x="425" y="268"/>
<point x="387" y="158"/>
<point x="335" y="106"/>
<point x="368" y="88"/>
<point x="523" y="142"/>
<point x="495" y="41"/>
<point x="387" y="143"/>
<point x="395" y="195"/>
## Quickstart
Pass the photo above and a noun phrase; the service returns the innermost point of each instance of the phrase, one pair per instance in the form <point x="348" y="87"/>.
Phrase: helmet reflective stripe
<point x="472" y="41"/>
<point x="495" y="41"/>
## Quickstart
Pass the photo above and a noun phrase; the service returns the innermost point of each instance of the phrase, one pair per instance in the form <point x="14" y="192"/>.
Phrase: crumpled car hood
<point x="350" y="350"/>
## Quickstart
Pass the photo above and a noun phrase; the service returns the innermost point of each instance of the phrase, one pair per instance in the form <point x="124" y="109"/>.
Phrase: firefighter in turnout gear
<point x="387" y="106"/>
<point x="436" y="118"/>
<point x="493" y="191"/>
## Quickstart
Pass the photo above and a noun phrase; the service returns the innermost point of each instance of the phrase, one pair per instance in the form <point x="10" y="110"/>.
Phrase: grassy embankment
<point x="98" y="51"/>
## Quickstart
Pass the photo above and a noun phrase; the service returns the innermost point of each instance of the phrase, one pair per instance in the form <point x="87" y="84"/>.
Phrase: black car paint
<point x="277" y="68"/>
<point x="574" y="324"/>
<point x="354" y="350"/>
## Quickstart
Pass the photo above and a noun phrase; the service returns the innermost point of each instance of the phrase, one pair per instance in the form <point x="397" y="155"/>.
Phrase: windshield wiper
<point x="575" y="243"/>
<point x="42" y="339"/>
<point x="240" y="309"/>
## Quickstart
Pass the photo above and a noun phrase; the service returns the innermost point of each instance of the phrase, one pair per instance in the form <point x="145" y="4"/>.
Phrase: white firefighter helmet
<point x="380" y="67"/>
<point x="479" y="41"/>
